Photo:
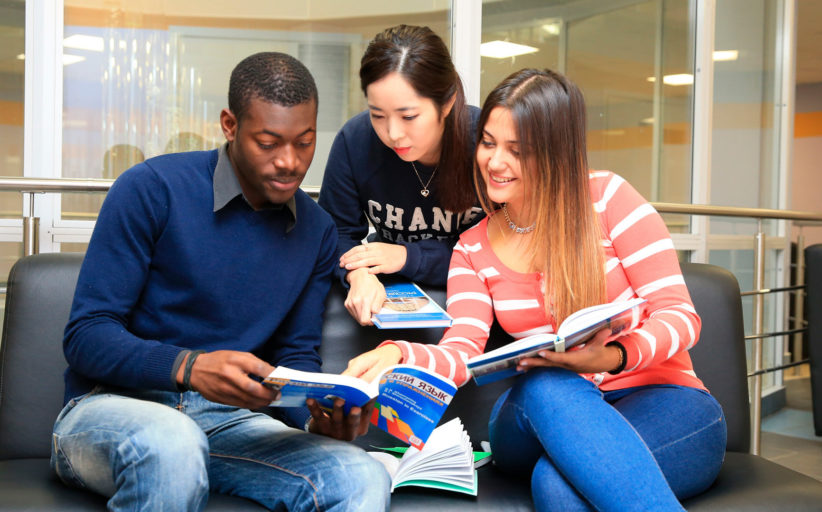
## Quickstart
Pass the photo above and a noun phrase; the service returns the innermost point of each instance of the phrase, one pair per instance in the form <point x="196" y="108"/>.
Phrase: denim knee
<point x="364" y="485"/>
<point x="550" y="388"/>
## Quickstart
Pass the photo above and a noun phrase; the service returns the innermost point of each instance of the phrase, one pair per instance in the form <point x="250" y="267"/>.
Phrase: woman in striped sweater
<point x="622" y="423"/>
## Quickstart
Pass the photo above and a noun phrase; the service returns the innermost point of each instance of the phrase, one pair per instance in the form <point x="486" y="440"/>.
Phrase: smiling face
<point x="406" y="122"/>
<point x="498" y="158"/>
<point x="271" y="147"/>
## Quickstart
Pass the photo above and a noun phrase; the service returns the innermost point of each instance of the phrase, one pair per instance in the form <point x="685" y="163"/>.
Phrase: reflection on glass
<point x="745" y="154"/>
<point x="151" y="78"/>
<point x="637" y="127"/>
<point x="12" y="68"/>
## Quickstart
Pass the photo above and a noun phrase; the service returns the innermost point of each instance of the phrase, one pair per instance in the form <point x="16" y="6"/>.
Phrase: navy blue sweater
<point x="165" y="272"/>
<point x="366" y="181"/>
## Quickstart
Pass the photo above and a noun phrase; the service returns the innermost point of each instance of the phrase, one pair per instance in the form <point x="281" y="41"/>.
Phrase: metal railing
<point x="31" y="186"/>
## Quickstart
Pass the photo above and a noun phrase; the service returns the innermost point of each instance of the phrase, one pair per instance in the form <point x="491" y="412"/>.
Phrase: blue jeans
<point x="639" y="448"/>
<point x="160" y="450"/>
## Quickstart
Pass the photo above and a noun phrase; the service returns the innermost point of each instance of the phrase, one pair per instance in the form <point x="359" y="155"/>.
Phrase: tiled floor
<point x="788" y="436"/>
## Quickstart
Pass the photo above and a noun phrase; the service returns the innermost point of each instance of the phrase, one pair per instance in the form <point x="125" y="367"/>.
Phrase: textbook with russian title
<point x="407" y="306"/>
<point x="410" y="400"/>
<point x="574" y="330"/>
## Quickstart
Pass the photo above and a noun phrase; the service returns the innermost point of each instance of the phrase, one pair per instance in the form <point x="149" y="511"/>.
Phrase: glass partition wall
<point x="12" y="84"/>
<point x="633" y="62"/>
<point x="149" y="78"/>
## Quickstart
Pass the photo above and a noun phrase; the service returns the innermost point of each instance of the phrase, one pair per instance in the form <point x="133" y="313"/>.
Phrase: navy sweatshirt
<point x="366" y="181"/>
<point x="165" y="272"/>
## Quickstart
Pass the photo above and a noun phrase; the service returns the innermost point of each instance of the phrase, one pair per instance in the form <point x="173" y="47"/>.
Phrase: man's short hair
<point x="270" y="76"/>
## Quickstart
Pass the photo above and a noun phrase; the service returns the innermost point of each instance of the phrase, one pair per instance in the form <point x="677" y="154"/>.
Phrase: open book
<point x="574" y="330"/>
<point x="445" y="462"/>
<point x="407" y="306"/>
<point x="410" y="399"/>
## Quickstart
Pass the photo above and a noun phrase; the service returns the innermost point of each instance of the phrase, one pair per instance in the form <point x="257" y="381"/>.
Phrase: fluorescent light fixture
<point x="551" y="28"/>
<point x="83" y="42"/>
<point x="21" y="56"/>
<point x="69" y="59"/>
<point x="680" y="79"/>
<point x="503" y="49"/>
<point x="724" y="55"/>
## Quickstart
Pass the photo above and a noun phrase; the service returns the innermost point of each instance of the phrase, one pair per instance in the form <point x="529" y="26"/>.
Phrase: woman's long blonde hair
<point x="549" y="113"/>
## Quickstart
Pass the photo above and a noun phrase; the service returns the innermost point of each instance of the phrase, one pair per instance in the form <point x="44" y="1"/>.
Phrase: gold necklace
<point x="424" y="192"/>
<point x="516" y="229"/>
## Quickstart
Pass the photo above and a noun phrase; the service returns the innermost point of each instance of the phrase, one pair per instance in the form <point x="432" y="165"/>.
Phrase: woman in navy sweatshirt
<point x="404" y="166"/>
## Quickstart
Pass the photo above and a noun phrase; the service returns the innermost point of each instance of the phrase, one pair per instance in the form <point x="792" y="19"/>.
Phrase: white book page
<point x="591" y="315"/>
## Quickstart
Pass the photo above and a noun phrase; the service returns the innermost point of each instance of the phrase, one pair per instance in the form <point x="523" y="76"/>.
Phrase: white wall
<point x="806" y="190"/>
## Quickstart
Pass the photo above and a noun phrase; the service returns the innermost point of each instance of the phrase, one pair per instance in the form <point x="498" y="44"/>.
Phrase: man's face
<point x="271" y="148"/>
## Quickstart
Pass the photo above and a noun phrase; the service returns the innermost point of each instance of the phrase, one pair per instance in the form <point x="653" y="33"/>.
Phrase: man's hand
<point x="370" y="364"/>
<point x="365" y="297"/>
<point x="224" y="376"/>
<point x="593" y="357"/>
<point x="337" y="425"/>
<point x="377" y="257"/>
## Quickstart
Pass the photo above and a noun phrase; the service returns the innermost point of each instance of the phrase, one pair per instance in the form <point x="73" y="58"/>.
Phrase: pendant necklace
<point x="424" y="191"/>
<point x="516" y="229"/>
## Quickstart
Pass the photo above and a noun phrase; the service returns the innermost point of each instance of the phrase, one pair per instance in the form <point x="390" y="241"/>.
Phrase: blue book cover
<point x="407" y="306"/>
<point x="410" y="399"/>
<point x="575" y="330"/>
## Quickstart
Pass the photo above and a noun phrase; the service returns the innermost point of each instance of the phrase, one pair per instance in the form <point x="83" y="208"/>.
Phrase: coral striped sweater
<point x="640" y="261"/>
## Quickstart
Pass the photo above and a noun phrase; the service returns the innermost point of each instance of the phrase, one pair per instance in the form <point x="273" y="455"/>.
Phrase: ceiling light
<point x="503" y="49"/>
<point x="69" y="59"/>
<point x="21" y="56"/>
<point x="551" y="28"/>
<point x="83" y="42"/>
<point x="723" y="55"/>
<point x="680" y="79"/>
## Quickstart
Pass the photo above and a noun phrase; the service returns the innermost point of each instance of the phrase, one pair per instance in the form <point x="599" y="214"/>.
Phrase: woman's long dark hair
<point x="549" y="114"/>
<point x="421" y="57"/>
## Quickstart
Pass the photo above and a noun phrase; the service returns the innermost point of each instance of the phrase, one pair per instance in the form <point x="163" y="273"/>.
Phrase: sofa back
<point x="38" y="299"/>
<point x="719" y="356"/>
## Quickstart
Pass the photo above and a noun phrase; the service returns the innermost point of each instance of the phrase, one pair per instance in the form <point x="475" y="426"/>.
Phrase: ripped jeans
<point x="640" y="448"/>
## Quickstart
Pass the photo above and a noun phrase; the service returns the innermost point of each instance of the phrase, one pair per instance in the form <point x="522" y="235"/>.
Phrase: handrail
<point x="42" y="185"/>
<point x="735" y="211"/>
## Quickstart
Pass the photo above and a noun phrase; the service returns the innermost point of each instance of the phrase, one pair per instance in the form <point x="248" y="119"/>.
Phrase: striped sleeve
<point x="643" y="263"/>
<point x="469" y="303"/>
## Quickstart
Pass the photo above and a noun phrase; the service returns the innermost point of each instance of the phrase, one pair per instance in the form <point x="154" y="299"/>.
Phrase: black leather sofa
<point x="813" y="310"/>
<point x="31" y="365"/>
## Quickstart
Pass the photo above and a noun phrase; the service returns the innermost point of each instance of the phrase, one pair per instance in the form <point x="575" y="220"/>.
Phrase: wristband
<point x="189" y="365"/>
<point x="178" y="361"/>
<point x="623" y="358"/>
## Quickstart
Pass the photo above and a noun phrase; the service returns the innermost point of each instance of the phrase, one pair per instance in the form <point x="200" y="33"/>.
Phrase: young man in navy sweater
<point x="204" y="270"/>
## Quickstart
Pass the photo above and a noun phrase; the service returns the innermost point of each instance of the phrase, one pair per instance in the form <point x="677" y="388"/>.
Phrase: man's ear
<point x="229" y="124"/>
<point x="446" y="109"/>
